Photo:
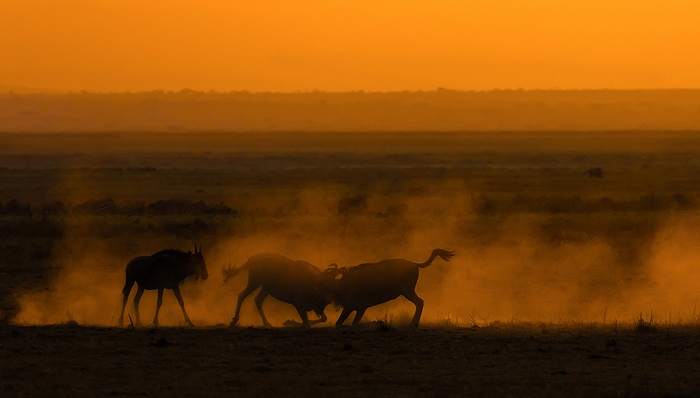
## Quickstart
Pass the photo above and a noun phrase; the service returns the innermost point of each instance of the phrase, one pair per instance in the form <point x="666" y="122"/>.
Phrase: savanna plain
<point x="576" y="267"/>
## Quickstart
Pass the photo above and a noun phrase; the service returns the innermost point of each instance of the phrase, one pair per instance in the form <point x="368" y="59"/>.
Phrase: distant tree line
<point x="108" y="206"/>
<point x="436" y="110"/>
<point x="546" y="204"/>
<point x="485" y="204"/>
<point x="358" y="205"/>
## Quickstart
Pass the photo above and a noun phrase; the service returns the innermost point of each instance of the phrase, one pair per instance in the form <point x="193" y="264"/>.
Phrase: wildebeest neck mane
<point x="172" y="252"/>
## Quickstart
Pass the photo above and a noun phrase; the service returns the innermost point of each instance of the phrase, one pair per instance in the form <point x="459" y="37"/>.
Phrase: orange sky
<point x="290" y="45"/>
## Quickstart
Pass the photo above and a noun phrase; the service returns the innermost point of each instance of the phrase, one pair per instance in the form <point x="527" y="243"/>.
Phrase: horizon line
<point x="26" y="90"/>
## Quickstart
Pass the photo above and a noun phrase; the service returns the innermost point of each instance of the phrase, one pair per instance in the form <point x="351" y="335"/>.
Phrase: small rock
<point x="384" y="327"/>
<point x="161" y="342"/>
<point x="262" y="368"/>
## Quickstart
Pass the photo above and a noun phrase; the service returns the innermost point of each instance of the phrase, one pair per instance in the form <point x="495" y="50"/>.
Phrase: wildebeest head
<point x="197" y="260"/>
<point x="333" y="272"/>
<point x="229" y="272"/>
<point x="330" y="279"/>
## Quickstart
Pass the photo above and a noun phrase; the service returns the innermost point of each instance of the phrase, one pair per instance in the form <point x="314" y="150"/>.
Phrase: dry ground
<point x="505" y="360"/>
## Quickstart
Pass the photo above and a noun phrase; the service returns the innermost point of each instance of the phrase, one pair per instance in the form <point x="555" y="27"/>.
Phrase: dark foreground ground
<point x="378" y="361"/>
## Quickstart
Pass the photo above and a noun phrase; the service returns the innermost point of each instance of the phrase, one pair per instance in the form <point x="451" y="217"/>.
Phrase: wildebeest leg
<point x="259" y="299"/>
<point x="343" y="316"/>
<point x="241" y="297"/>
<point x="358" y="316"/>
<point x="178" y="296"/>
<point x="321" y="318"/>
<point x="413" y="297"/>
<point x="125" y="293"/>
<point x="303" y="316"/>
<point x="137" y="300"/>
<point x="158" y="304"/>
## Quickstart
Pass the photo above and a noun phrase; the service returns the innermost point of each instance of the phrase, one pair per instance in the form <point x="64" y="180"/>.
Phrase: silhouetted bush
<point x="142" y="169"/>
<point x="352" y="205"/>
<point x="184" y="206"/>
<point x="487" y="205"/>
<point x="595" y="172"/>
<point x="393" y="211"/>
<point x="97" y="206"/>
<point x="682" y="201"/>
<point x="53" y="208"/>
<point x="133" y="209"/>
<point x="186" y="230"/>
<point x="650" y="202"/>
<point x="107" y="206"/>
<point x="16" y="208"/>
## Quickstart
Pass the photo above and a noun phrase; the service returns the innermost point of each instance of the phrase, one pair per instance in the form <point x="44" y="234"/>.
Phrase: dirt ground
<point x="499" y="360"/>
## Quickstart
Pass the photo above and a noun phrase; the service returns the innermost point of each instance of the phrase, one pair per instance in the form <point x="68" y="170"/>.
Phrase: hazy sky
<point x="349" y="44"/>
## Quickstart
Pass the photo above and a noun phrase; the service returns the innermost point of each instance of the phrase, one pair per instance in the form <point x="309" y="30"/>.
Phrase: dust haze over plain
<point x="513" y="271"/>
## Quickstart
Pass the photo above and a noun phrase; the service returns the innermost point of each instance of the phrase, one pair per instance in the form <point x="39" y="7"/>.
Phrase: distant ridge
<point x="438" y="110"/>
<point x="27" y="90"/>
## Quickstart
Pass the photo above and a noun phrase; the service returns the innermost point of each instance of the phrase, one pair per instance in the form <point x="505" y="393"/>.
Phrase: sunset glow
<point x="110" y="45"/>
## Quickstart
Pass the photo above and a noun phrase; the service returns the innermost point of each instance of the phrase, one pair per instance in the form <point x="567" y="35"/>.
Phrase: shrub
<point x="352" y="205"/>
<point x="15" y="208"/>
<point x="97" y="206"/>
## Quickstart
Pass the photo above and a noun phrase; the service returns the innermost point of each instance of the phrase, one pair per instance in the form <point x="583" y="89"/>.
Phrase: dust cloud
<point x="506" y="268"/>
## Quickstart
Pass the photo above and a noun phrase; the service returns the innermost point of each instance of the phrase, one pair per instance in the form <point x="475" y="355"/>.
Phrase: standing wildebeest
<point x="370" y="284"/>
<point x="165" y="269"/>
<point x="298" y="283"/>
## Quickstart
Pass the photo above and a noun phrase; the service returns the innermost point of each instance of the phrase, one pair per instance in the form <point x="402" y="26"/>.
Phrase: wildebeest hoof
<point x="291" y="323"/>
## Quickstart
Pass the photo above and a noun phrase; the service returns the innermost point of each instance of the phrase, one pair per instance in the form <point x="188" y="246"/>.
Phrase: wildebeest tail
<point x="442" y="253"/>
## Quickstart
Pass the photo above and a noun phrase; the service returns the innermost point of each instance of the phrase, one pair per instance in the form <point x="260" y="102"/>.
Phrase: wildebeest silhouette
<point x="595" y="172"/>
<point x="370" y="284"/>
<point x="298" y="283"/>
<point x="165" y="269"/>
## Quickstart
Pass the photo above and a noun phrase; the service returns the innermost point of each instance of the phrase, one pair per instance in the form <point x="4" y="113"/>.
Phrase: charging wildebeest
<point x="165" y="269"/>
<point x="370" y="284"/>
<point x="298" y="283"/>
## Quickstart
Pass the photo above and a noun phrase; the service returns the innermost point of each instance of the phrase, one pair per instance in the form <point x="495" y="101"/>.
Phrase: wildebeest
<point x="298" y="283"/>
<point x="370" y="284"/>
<point x="165" y="269"/>
<point x="595" y="172"/>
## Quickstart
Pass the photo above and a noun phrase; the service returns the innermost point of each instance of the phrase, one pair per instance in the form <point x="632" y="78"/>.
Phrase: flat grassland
<point x="522" y="361"/>
<point x="564" y="241"/>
